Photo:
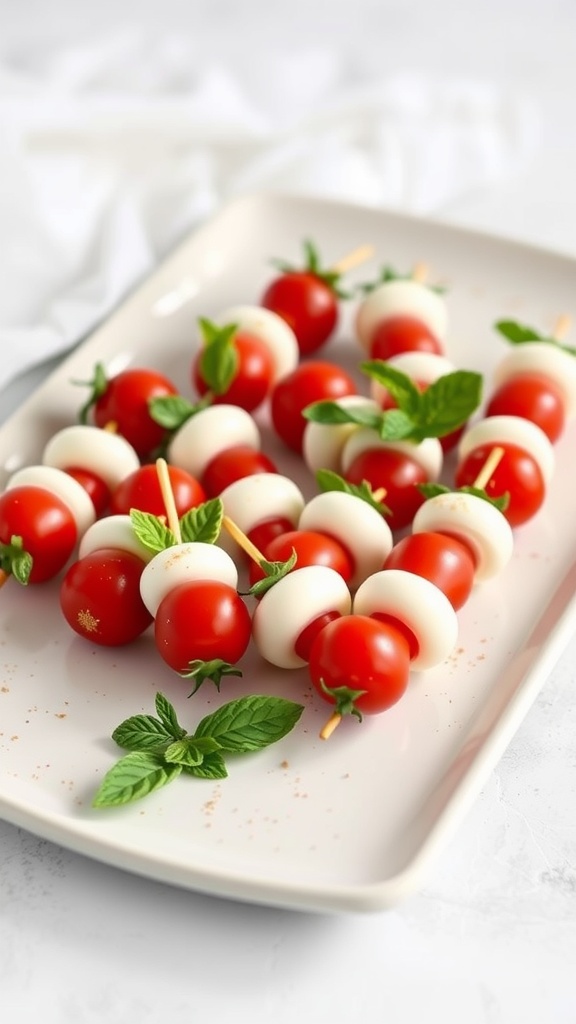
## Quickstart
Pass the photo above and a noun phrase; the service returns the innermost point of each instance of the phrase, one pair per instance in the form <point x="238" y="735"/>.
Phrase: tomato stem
<point x="168" y="498"/>
<point x="240" y="537"/>
<point x="329" y="727"/>
<point x="488" y="468"/>
<point x="353" y="259"/>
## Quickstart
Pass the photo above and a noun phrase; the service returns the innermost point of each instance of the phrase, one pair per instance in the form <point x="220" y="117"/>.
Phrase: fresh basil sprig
<point x="202" y="523"/>
<point x="442" y="407"/>
<point x="328" y="480"/>
<point x="388" y="273"/>
<point x="431" y="490"/>
<point x="160" y="749"/>
<point x="519" y="334"/>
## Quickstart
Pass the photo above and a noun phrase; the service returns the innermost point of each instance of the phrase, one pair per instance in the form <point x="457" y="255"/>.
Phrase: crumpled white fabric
<point x="111" y="152"/>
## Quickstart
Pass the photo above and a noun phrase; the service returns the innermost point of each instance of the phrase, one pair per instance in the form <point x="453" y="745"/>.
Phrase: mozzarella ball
<point x="114" y="532"/>
<point x="270" y="328"/>
<point x="63" y="486"/>
<point x="475" y="522"/>
<point x="400" y="297"/>
<point x="290" y="605"/>
<point x="254" y="499"/>
<point x="208" y="433"/>
<point x="549" y="360"/>
<point x="109" y="456"/>
<point x="496" y="430"/>
<point x="323" y="443"/>
<point x="417" y="603"/>
<point x="180" y="564"/>
<point x="358" y="526"/>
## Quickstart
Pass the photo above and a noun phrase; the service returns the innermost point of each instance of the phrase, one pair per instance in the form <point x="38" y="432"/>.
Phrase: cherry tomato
<point x="517" y="474"/>
<point x="94" y="486"/>
<point x="202" y="619"/>
<point x="533" y="397"/>
<point x="264" y="532"/>
<point x="403" y="333"/>
<point x="397" y="474"/>
<point x="253" y="377"/>
<point x="100" y="598"/>
<point x="309" y="382"/>
<point x="45" y="524"/>
<point x="444" y="560"/>
<point x="125" y="404"/>
<point x="311" y="547"/>
<point x="304" y="641"/>
<point x="141" y="490"/>
<point x="359" y="653"/>
<point x="232" y="464"/>
<point x="307" y="303"/>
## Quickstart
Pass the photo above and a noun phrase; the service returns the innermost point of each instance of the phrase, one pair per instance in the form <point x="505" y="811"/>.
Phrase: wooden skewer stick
<point x="332" y="724"/>
<point x="488" y="468"/>
<point x="353" y="259"/>
<point x="168" y="498"/>
<point x="562" y="326"/>
<point x="420" y="272"/>
<point x="240" y="537"/>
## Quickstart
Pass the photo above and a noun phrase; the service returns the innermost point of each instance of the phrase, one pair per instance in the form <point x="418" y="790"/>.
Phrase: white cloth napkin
<point x="109" y="153"/>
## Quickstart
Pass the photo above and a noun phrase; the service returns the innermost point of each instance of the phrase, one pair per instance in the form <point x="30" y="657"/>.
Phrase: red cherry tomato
<point x="517" y="474"/>
<point x="311" y="547"/>
<point x="359" y="653"/>
<point x="264" y="532"/>
<point x="397" y="474"/>
<point x="141" y="490"/>
<point x="45" y="524"/>
<point x="125" y="404"/>
<point x="444" y="560"/>
<point x="100" y="598"/>
<point x="305" y="639"/>
<point x="232" y="464"/>
<point x="533" y="397"/>
<point x="202" y="619"/>
<point x="253" y="378"/>
<point x="309" y="382"/>
<point x="307" y="303"/>
<point x="94" y="486"/>
<point x="397" y="334"/>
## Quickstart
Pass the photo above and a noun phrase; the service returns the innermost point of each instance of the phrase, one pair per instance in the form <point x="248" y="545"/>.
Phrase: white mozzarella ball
<point x="401" y="297"/>
<point x="323" y="443"/>
<point x="114" y="532"/>
<point x="496" y="430"/>
<point x="208" y="433"/>
<point x="257" y="498"/>
<point x="541" y="357"/>
<point x="109" y="456"/>
<point x="417" y="603"/>
<point x="180" y="564"/>
<point x="288" y="607"/>
<point x="270" y="328"/>
<point x="474" y="521"/>
<point x="63" y="486"/>
<point x="428" y="453"/>
<point x="421" y="367"/>
<point x="358" y="526"/>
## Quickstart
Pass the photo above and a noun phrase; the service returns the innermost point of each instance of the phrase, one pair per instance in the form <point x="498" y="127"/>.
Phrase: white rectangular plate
<point x="347" y="824"/>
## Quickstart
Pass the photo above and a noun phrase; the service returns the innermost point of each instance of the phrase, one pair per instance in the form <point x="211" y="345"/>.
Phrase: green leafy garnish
<point x="442" y="407"/>
<point x="15" y="561"/>
<point x="97" y="385"/>
<point x="151" y="531"/>
<point x="431" y="490"/>
<point x="218" y="364"/>
<point x="344" y="698"/>
<point x="519" y="334"/>
<point x="165" y="750"/>
<point x="204" y="522"/>
<point x="312" y="265"/>
<point x="328" y="480"/>
<point x="274" y="571"/>
<point x="388" y="273"/>
<point x="172" y="411"/>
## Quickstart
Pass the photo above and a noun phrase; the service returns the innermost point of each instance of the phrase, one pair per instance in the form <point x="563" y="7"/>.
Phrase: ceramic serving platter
<point x="345" y="824"/>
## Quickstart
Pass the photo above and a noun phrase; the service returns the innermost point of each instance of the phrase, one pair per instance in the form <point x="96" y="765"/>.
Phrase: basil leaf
<point x="516" y="333"/>
<point x="432" y="490"/>
<point x="151" y="531"/>
<point x="219" y="360"/>
<point x="141" y="732"/>
<point x="250" y="723"/>
<point x="213" y="766"/>
<point x="203" y="523"/>
<point x="397" y="425"/>
<point x="167" y="715"/>
<point x="448" y="402"/>
<point x="171" y="411"/>
<point x="274" y="572"/>
<point x="407" y="396"/>
<point x="134" y="777"/>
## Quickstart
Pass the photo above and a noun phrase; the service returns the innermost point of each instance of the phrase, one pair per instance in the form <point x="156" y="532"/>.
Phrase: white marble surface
<point x="491" y="937"/>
